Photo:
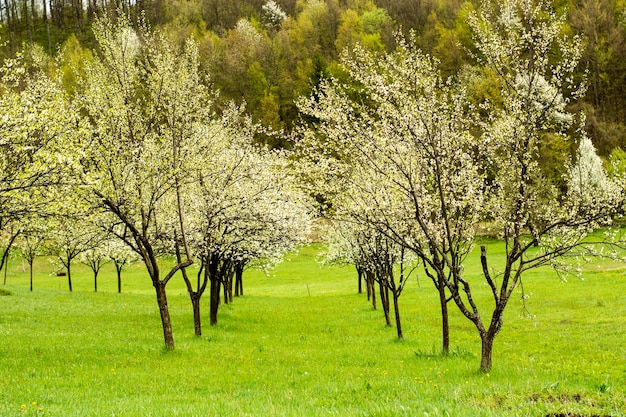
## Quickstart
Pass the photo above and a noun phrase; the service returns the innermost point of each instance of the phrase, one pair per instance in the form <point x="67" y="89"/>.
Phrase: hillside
<point x="269" y="53"/>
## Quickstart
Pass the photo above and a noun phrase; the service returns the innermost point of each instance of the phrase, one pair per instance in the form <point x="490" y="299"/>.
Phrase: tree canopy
<point x="267" y="53"/>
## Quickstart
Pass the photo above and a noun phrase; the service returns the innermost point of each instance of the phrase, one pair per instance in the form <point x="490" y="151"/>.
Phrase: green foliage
<point x="70" y="62"/>
<point x="616" y="165"/>
<point x="371" y="28"/>
<point x="309" y="28"/>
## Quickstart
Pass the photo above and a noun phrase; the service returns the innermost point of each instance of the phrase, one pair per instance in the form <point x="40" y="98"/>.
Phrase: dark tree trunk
<point x="228" y="287"/>
<point x="486" y="353"/>
<point x="168" y="334"/>
<point x="30" y="264"/>
<point x="95" y="281"/>
<point x="118" y="269"/>
<point x="69" y="276"/>
<point x="445" y="326"/>
<point x="384" y="300"/>
<point x="359" y="272"/>
<point x="47" y="22"/>
<point x="5" y="266"/>
<point x="239" y="280"/>
<point x="396" y="309"/>
<point x="225" y="290"/>
<point x="26" y="17"/>
<point x="370" y="280"/>
<point x="214" y="300"/>
<point x="197" y="324"/>
<point x="4" y="262"/>
<point x="196" y="296"/>
<point x="10" y="24"/>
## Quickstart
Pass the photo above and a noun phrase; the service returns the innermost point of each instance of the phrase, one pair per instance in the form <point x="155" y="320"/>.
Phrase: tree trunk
<point x="197" y="324"/>
<point x="487" y="349"/>
<point x="168" y="335"/>
<point x="359" y="272"/>
<point x="4" y="262"/>
<point x="95" y="281"/>
<point x="69" y="276"/>
<point x="9" y="24"/>
<point x="118" y="269"/>
<point x="384" y="300"/>
<point x="445" y="326"/>
<point x="225" y="292"/>
<point x="228" y="287"/>
<point x="27" y="19"/>
<point x="214" y="300"/>
<point x="30" y="264"/>
<point x="239" y="280"/>
<point x="396" y="309"/>
<point x="370" y="281"/>
<point x="47" y="22"/>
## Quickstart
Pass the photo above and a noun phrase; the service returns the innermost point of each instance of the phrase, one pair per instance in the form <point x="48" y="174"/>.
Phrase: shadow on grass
<point x="436" y="353"/>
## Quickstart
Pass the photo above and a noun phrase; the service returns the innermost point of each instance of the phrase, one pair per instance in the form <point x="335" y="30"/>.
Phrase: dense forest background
<point x="267" y="53"/>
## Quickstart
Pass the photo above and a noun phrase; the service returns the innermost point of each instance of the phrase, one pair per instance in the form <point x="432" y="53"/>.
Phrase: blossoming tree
<point x="39" y="134"/>
<point x="400" y="128"/>
<point x="244" y="208"/>
<point x="148" y="107"/>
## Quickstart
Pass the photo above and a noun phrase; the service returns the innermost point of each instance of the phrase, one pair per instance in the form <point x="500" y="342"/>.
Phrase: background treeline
<point x="267" y="53"/>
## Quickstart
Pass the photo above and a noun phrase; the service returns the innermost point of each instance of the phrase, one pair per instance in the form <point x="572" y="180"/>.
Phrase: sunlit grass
<point x="302" y="342"/>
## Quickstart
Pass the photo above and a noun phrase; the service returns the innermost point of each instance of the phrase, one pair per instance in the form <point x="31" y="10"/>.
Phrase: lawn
<point x="303" y="342"/>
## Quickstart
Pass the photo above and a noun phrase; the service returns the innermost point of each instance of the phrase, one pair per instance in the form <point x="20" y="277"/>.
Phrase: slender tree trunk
<point x="384" y="300"/>
<point x="164" y="311"/>
<point x="69" y="276"/>
<point x="225" y="288"/>
<point x="228" y="286"/>
<point x="10" y="24"/>
<point x="197" y="324"/>
<point x="359" y="272"/>
<point x="487" y="349"/>
<point x="47" y="29"/>
<point x="445" y="326"/>
<point x="396" y="309"/>
<point x="214" y="300"/>
<point x="370" y="278"/>
<point x="239" y="280"/>
<point x="95" y="281"/>
<point x="27" y="20"/>
<point x="30" y="264"/>
<point x="118" y="269"/>
<point x="4" y="262"/>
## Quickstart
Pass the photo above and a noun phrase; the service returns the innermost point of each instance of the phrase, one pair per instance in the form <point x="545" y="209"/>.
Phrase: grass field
<point x="302" y="342"/>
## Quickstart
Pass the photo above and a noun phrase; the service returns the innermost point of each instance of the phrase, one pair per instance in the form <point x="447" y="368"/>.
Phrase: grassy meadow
<point x="303" y="342"/>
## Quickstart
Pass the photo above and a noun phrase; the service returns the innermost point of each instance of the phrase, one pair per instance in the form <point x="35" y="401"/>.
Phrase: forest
<point x="267" y="54"/>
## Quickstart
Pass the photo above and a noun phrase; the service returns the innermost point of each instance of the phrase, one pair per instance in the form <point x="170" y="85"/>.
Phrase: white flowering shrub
<point x="272" y="14"/>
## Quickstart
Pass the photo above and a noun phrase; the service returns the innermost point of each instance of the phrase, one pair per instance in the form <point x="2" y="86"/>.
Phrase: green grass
<point x="301" y="342"/>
